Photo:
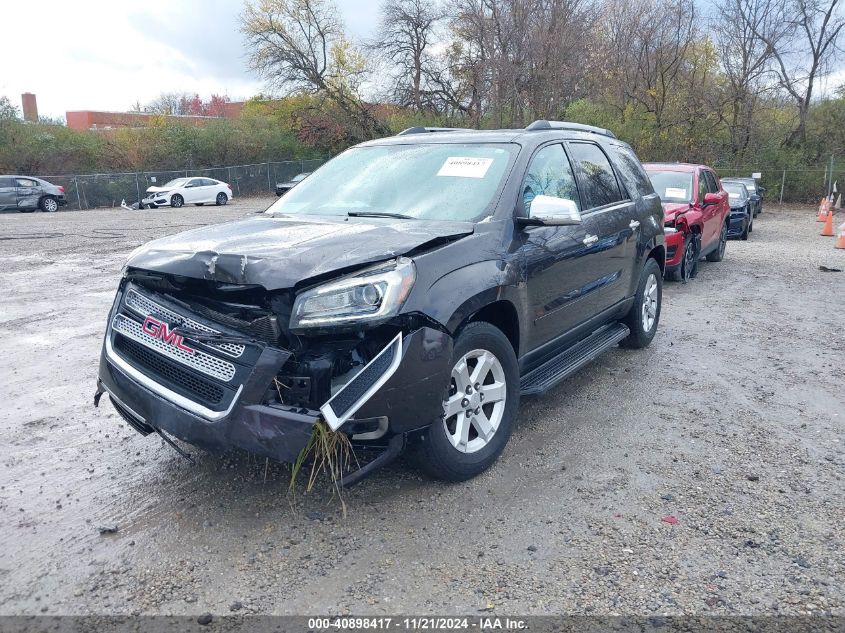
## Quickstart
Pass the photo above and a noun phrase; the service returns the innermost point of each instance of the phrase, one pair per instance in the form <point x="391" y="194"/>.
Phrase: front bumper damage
<point x="399" y="391"/>
<point x="674" y="241"/>
<point x="736" y="223"/>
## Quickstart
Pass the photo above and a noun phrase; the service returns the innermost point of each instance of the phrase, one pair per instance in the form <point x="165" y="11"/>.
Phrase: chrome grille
<point x="202" y="362"/>
<point x="147" y="307"/>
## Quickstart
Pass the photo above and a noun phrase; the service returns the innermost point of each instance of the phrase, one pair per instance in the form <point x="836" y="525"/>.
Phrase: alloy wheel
<point x="649" y="309"/>
<point x="50" y="205"/>
<point x="476" y="403"/>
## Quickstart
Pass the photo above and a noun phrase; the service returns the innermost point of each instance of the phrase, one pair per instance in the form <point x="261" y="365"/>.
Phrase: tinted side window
<point x="631" y="171"/>
<point x="26" y="182"/>
<point x="550" y="174"/>
<point x="702" y="186"/>
<point x="208" y="182"/>
<point x="596" y="175"/>
<point x="6" y="182"/>
<point x="712" y="187"/>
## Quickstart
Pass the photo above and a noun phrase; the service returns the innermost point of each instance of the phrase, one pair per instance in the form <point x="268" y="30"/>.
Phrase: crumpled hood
<point x="154" y="189"/>
<point x="278" y="252"/>
<point x="671" y="209"/>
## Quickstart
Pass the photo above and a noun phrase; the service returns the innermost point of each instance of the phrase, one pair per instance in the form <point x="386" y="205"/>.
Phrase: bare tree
<point x="525" y="55"/>
<point x="300" y="46"/>
<point x="169" y="103"/>
<point x="803" y="50"/>
<point x="745" y="61"/>
<point x="405" y="36"/>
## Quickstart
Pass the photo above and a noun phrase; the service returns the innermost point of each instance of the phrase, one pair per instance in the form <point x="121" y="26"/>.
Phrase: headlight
<point x="372" y="294"/>
<point x="668" y="230"/>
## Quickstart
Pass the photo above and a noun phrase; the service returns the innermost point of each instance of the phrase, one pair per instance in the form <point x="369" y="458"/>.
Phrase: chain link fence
<point x="805" y="185"/>
<point x="791" y="185"/>
<point x="90" y="191"/>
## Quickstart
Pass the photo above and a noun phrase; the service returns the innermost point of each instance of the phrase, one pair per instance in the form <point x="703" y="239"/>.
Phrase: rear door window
<point x="550" y="174"/>
<point x="631" y="171"/>
<point x="27" y="182"/>
<point x="596" y="176"/>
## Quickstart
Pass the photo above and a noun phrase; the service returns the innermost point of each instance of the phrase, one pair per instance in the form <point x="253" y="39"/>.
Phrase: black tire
<point x="719" y="254"/>
<point x="641" y="336"/>
<point x="48" y="204"/>
<point x="751" y="224"/>
<point x="689" y="260"/>
<point x="221" y="199"/>
<point x="434" y="453"/>
<point x="747" y="230"/>
<point x="176" y="201"/>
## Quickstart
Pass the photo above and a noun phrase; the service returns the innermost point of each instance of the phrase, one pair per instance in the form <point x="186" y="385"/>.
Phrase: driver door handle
<point x="591" y="239"/>
<point x="634" y="225"/>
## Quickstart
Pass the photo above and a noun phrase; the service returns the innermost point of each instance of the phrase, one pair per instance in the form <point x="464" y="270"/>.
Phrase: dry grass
<point x="330" y="453"/>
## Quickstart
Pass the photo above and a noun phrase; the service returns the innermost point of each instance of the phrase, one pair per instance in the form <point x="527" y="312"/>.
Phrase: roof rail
<point x="542" y="124"/>
<point x="424" y="130"/>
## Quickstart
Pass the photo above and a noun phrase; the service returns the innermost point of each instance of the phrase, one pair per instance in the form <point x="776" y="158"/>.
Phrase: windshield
<point x="672" y="186"/>
<point x="736" y="191"/>
<point x="176" y="183"/>
<point x="423" y="181"/>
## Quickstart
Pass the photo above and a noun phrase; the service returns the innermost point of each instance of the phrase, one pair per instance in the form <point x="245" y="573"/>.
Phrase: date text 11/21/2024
<point x="422" y="623"/>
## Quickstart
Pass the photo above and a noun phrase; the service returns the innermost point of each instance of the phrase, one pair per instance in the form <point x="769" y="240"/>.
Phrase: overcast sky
<point x="108" y="54"/>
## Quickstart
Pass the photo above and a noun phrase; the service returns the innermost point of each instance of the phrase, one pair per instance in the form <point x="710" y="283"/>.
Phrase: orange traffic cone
<point x="840" y="239"/>
<point x="827" y="230"/>
<point x="824" y="205"/>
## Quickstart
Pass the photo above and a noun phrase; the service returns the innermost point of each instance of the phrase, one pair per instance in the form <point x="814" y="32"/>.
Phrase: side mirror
<point x="551" y="211"/>
<point x="711" y="198"/>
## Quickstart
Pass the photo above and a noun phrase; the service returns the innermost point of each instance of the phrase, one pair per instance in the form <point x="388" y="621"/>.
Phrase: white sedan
<point x="183" y="191"/>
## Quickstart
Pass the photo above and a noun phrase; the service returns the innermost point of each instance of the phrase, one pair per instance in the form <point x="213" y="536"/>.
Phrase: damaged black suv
<point x="407" y="293"/>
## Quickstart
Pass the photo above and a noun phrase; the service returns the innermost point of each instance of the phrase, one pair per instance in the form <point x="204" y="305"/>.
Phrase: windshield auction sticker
<point x="672" y="192"/>
<point x="465" y="167"/>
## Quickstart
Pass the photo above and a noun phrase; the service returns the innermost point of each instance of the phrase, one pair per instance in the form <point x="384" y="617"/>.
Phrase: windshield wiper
<point x="378" y="214"/>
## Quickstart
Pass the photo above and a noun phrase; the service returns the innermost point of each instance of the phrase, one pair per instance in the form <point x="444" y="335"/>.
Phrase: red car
<point x="696" y="212"/>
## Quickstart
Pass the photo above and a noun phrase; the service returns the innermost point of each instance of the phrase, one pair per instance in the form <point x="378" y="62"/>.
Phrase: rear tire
<point x="719" y="254"/>
<point x="222" y="199"/>
<point x="48" y="204"/>
<point x="177" y="201"/>
<point x="747" y="230"/>
<point x="644" y="315"/>
<point x="460" y="446"/>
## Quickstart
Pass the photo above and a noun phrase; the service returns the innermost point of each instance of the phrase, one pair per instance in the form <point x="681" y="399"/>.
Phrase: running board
<point x="550" y="373"/>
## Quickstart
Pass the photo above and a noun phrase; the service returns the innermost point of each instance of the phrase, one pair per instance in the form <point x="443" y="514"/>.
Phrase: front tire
<point x="747" y="230"/>
<point x="719" y="254"/>
<point x="480" y="408"/>
<point x="177" y="201"/>
<point x="689" y="260"/>
<point x="222" y="199"/>
<point x="48" y="204"/>
<point x="644" y="315"/>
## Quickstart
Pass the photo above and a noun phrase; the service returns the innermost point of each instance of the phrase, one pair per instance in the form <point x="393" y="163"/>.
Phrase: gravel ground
<point x="731" y="423"/>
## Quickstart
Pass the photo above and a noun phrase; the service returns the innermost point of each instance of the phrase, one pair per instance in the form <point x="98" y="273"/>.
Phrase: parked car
<point x="755" y="189"/>
<point x="27" y="193"/>
<point x="181" y="191"/>
<point x="407" y="292"/>
<point x="742" y="215"/>
<point x="696" y="215"/>
<point x="283" y="187"/>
